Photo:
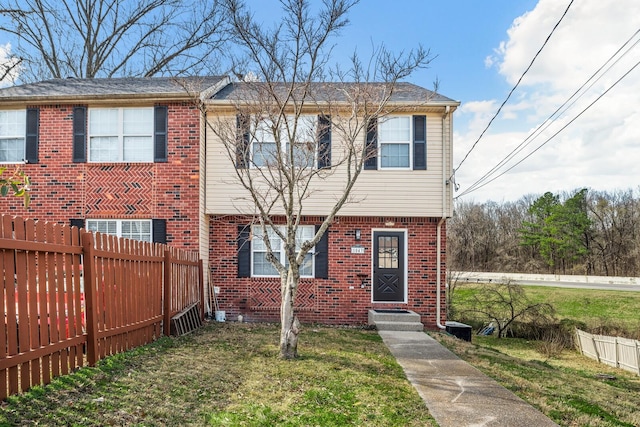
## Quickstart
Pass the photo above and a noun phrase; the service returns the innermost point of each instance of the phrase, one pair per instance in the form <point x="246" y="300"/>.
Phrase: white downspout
<point x="442" y="220"/>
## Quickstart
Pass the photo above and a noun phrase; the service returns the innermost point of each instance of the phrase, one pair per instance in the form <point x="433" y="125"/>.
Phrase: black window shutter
<point x="159" y="230"/>
<point x="242" y="146"/>
<point x="79" y="134"/>
<point x="31" y="141"/>
<point x="371" y="162"/>
<point x="322" y="256"/>
<point x="160" y="142"/>
<point x="77" y="222"/>
<point x="244" y="251"/>
<point x="324" y="142"/>
<point x="419" y="142"/>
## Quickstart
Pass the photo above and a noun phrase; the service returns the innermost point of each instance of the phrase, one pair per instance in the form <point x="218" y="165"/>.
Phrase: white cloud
<point x="6" y="62"/>
<point x="601" y="148"/>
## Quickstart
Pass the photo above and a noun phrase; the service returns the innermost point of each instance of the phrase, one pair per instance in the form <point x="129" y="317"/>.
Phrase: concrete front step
<point x="395" y="320"/>
<point x="400" y="326"/>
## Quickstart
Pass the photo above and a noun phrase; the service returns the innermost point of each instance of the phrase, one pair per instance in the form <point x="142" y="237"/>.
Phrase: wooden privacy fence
<point x="613" y="351"/>
<point x="66" y="290"/>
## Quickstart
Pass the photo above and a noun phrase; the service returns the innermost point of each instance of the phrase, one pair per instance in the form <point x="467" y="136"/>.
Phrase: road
<point x="600" y="286"/>
<point x="576" y="285"/>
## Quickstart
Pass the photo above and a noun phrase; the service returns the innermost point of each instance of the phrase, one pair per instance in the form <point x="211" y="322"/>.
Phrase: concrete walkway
<point x="456" y="393"/>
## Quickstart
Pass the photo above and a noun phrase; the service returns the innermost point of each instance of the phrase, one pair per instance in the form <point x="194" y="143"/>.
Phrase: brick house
<point x="404" y="199"/>
<point x="134" y="157"/>
<point x="115" y="155"/>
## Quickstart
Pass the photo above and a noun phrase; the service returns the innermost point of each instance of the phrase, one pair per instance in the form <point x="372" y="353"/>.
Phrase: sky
<point x="481" y="49"/>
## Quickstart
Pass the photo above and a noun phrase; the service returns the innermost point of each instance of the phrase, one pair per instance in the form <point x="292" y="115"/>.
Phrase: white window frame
<point x="256" y="233"/>
<point x="14" y="130"/>
<point x="121" y="135"/>
<point x="262" y="132"/>
<point x="93" y="224"/>
<point x="408" y="142"/>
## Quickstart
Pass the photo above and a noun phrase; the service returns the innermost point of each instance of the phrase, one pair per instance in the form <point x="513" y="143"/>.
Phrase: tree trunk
<point x="289" y="324"/>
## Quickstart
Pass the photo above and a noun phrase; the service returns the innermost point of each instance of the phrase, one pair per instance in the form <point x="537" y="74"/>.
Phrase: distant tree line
<point x="582" y="232"/>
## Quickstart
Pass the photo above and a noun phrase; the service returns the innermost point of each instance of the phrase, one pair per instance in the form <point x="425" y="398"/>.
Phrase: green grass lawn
<point x="593" y="307"/>
<point x="230" y="375"/>
<point x="567" y="387"/>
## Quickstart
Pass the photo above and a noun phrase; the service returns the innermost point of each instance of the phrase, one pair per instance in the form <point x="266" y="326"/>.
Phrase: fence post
<point x="638" y="356"/>
<point x="90" y="298"/>
<point x="167" y="292"/>
<point x="201" y="281"/>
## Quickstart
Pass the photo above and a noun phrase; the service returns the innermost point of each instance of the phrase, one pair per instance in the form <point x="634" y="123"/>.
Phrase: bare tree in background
<point x="112" y="38"/>
<point x="287" y="65"/>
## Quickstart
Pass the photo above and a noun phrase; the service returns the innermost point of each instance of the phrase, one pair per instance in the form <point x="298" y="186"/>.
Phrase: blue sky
<point x="482" y="48"/>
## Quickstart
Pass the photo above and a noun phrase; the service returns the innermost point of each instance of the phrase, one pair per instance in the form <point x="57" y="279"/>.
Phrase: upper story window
<point x="121" y="135"/>
<point x="138" y="229"/>
<point x="269" y="140"/>
<point x="397" y="142"/>
<point x="12" y="135"/>
<point x="394" y="135"/>
<point x="261" y="267"/>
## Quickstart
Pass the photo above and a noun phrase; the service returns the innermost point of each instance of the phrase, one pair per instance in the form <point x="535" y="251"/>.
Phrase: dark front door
<point x="388" y="266"/>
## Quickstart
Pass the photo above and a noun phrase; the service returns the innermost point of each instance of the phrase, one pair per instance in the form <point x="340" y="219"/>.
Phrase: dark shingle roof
<point x="403" y="92"/>
<point x="130" y="87"/>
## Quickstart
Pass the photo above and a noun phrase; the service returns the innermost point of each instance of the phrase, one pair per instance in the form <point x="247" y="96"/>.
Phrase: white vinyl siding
<point x="12" y="135"/>
<point x="386" y="192"/>
<point x="121" y="134"/>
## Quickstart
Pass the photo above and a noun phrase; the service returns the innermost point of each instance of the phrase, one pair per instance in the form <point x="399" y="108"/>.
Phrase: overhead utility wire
<point x="560" y="130"/>
<point x="545" y="125"/>
<point x="511" y="92"/>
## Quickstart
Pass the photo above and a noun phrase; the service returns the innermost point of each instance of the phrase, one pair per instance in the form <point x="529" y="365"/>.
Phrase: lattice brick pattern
<point x="266" y="296"/>
<point x="119" y="189"/>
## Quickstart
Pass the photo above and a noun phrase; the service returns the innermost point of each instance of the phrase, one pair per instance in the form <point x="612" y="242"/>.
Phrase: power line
<point x="544" y="125"/>
<point x="556" y="133"/>
<point x="512" y="90"/>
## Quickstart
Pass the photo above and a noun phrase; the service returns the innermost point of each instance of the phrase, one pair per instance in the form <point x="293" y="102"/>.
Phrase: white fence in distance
<point x="614" y="351"/>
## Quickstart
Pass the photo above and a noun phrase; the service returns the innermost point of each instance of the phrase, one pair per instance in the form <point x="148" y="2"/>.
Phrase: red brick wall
<point x="340" y="299"/>
<point x="62" y="190"/>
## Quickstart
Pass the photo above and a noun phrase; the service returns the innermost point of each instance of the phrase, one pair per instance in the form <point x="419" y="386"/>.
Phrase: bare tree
<point x="504" y="303"/>
<point x="282" y="87"/>
<point x="112" y="38"/>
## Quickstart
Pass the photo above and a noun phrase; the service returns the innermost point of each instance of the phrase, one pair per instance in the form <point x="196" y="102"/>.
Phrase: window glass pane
<point x="12" y="123"/>
<point x="387" y="252"/>
<point x="264" y="131"/>
<point x="262" y="267"/>
<point x="104" y="149"/>
<point x="103" y="121"/>
<point x="137" y="121"/>
<point x="264" y="153"/>
<point x="11" y="150"/>
<point x="395" y="129"/>
<point x="306" y="129"/>
<point x="138" y="149"/>
<point x="102" y="226"/>
<point x="394" y="155"/>
<point x="138" y="230"/>
<point x="258" y="242"/>
<point x="304" y="154"/>
<point x="306" y="269"/>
